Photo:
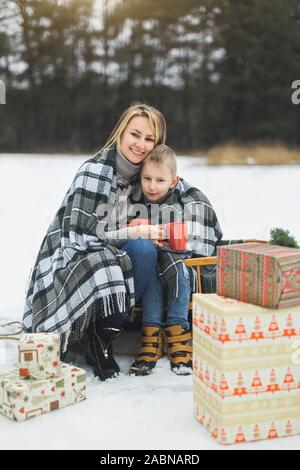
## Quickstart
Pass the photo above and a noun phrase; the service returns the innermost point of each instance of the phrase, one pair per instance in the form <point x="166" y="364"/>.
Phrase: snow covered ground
<point x="127" y="413"/>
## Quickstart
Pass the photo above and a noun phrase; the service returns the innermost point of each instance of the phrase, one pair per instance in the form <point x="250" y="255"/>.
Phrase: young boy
<point x="168" y="202"/>
<point x="192" y="229"/>
<point x="158" y="183"/>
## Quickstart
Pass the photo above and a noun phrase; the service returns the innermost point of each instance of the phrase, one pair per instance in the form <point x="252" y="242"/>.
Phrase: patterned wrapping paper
<point x="261" y="274"/>
<point x="22" y="399"/>
<point x="39" y="356"/>
<point x="246" y="377"/>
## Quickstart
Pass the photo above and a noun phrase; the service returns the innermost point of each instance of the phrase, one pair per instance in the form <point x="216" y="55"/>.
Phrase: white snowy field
<point x="152" y="412"/>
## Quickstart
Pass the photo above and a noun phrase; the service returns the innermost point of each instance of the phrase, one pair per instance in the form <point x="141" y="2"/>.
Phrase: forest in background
<point x="221" y="71"/>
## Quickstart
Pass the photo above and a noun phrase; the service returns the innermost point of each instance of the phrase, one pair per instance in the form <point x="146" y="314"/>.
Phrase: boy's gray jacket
<point x="73" y="267"/>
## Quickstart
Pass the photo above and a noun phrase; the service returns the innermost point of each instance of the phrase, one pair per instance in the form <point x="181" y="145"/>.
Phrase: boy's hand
<point x="160" y="244"/>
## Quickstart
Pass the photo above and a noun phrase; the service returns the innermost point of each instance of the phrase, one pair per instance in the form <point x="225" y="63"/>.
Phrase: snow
<point x="154" y="412"/>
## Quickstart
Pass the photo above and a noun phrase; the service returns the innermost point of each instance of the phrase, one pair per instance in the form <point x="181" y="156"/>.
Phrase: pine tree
<point x="257" y="44"/>
<point x="220" y="70"/>
<point x="283" y="237"/>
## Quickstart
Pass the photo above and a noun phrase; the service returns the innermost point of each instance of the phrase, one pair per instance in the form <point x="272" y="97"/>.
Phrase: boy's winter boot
<point x="179" y="349"/>
<point x="150" y="352"/>
<point x="99" y="351"/>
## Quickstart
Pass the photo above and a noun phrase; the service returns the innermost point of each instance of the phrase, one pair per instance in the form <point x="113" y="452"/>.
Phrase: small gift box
<point x="22" y="399"/>
<point x="39" y="356"/>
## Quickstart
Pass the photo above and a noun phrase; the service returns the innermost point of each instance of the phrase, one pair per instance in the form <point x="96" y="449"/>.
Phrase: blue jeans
<point x="149" y="288"/>
<point x="143" y="256"/>
<point x="177" y="309"/>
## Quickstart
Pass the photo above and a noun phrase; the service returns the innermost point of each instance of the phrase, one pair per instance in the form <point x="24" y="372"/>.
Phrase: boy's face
<point x="156" y="179"/>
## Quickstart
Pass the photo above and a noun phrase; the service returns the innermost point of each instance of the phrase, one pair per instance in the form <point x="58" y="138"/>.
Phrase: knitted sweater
<point x="125" y="173"/>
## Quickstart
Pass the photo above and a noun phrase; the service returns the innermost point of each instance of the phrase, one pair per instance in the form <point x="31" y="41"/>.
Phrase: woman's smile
<point x="136" y="152"/>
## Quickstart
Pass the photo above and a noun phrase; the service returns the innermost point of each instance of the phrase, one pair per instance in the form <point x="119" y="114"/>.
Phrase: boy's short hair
<point x="163" y="154"/>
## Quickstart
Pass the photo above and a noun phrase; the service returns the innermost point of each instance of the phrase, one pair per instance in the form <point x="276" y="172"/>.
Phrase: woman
<point x="81" y="287"/>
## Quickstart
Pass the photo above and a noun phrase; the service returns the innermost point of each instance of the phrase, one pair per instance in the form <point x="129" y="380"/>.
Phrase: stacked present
<point x="42" y="383"/>
<point x="246" y="356"/>
<point x="260" y="274"/>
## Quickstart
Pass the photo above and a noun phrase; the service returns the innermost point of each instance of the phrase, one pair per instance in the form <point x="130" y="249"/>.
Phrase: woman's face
<point x="137" y="140"/>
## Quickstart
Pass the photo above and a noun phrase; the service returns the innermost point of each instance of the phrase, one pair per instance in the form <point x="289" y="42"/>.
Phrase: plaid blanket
<point x="188" y="204"/>
<point x="73" y="268"/>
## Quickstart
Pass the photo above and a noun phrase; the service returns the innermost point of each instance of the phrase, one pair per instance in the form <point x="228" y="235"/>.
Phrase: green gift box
<point x="260" y="274"/>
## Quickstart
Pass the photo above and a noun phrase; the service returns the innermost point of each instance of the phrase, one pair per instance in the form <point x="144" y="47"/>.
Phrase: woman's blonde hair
<point x="156" y="118"/>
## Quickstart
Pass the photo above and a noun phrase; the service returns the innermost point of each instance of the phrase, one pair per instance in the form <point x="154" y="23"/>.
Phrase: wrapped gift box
<point x="246" y="369"/>
<point x="21" y="399"/>
<point x="39" y="356"/>
<point x="260" y="274"/>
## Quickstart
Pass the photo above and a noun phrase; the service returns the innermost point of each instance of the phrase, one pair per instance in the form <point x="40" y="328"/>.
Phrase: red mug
<point x="178" y="235"/>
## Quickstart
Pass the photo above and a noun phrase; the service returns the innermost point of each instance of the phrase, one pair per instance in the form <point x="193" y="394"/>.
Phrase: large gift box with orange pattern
<point x="246" y="369"/>
<point x="21" y="399"/>
<point x="261" y="274"/>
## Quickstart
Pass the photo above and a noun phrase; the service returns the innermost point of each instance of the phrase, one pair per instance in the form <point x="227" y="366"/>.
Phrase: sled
<point x="11" y="330"/>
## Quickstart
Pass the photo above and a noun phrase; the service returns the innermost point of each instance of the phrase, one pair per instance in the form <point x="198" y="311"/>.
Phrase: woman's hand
<point x="150" y="232"/>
